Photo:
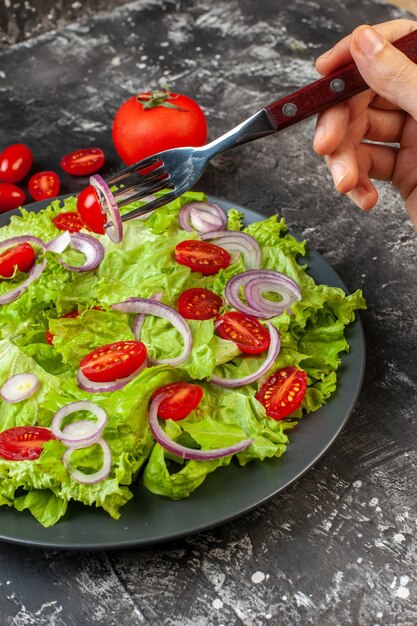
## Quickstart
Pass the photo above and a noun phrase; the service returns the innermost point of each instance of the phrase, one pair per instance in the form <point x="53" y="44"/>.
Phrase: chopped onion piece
<point x="273" y="351"/>
<point x="96" y="477"/>
<point x="115" y="227"/>
<point x="60" y="243"/>
<point x="182" y="451"/>
<point x="34" y="272"/>
<point x="235" y="241"/>
<point x="80" y="433"/>
<point x="203" y="216"/>
<point x="19" y="387"/>
<point x="147" y="306"/>
<point x="89" y="246"/>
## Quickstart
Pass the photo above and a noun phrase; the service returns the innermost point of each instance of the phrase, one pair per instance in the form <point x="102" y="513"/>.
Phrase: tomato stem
<point x="158" y="98"/>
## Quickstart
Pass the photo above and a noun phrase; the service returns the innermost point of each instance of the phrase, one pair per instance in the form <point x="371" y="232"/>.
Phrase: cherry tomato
<point x="69" y="221"/>
<point x="90" y="211"/>
<point x="155" y="121"/>
<point x="182" y="399"/>
<point x="71" y="314"/>
<point x="11" y="197"/>
<point x="23" y="442"/>
<point x="199" y="304"/>
<point x="83" y="162"/>
<point x="247" y="332"/>
<point x="202" y="256"/>
<point x="22" y="255"/>
<point x="113" y="361"/>
<point x="283" y="392"/>
<point x="15" y="162"/>
<point x="44" y="185"/>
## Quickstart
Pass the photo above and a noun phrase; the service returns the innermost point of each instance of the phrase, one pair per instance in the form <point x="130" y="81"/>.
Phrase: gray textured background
<point x="337" y="547"/>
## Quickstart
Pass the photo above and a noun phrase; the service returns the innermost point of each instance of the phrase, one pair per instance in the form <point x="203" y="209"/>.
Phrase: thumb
<point x="389" y="72"/>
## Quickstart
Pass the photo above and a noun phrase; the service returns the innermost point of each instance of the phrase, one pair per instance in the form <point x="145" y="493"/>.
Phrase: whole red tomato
<point x="11" y="197"/>
<point x="154" y="121"/>
<point x="15" y="162"/>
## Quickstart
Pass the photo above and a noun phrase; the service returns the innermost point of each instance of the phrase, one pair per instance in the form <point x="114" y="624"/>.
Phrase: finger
<point x="364" y="195"/>
<point x="331" y="128"/>
<point x="384" y="126"/>
<point x="341" y="54"/>
<point x="411" y="206"/>
<point x="343" y="166"/>
<point x="376" y="162"/>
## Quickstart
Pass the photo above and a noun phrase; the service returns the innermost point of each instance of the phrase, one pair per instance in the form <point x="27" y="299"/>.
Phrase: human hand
<point x="386" y="113"/>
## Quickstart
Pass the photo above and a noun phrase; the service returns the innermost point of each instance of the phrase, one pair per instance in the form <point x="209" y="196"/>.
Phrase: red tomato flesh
<point x="21" y="256"/>
<point x="83" y="162"/>
<point x="15" y="162"/>
<point x="43" y="185"/>
<point x="182" y="399"/>
<point x="11" y="197"/>
<point x="69" y="221"/>
<point x="283" y="392"/>
<point x="202" y="256"/>
<point x="199" y="304"/>
<point x="90" y="210"/>
<point x="23" y="442"/>
<point x="247" y="332"/>
<point x="113" y="361"/>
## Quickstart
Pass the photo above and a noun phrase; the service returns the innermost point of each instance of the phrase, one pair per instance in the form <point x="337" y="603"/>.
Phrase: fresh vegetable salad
<point x="191" y="344"/>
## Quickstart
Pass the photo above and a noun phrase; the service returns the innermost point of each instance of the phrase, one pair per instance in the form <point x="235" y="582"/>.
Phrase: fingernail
<point x="359" y="196"/>
<point x="319" y="135"/>
<point x="369" y="41"/>
<point x="338" y="172"/>
<point x="324" y="55"/>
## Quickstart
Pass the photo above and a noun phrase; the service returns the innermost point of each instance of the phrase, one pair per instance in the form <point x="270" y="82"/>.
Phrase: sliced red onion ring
<point x="34" y="272"/>
<point x="182" y="451"/>
<point x="96" y="477"/>
<point x="235" y="241"/>
<point x="93" y="387"/>
<point x="203" y="216"/>
<point x="19" y="387"/>
<point x="140" y="318"/>
<point x="256" y="282"/>
<point x="90" y="247"/>
<point x="147" y="306"/>
<point x="115" y="228"/>
<point x="273" y="351"/>
<point x="60" y="243"/>
<point x="81" y="433"/>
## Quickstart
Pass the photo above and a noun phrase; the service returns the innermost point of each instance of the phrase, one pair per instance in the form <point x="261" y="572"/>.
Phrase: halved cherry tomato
<point x="22" y="255"/>
<point x="71" y="314"/>
<point x="113" y="361"/>
<point x="44" y="185"/>
<point x="15" y="162"/>
<point x="247" y="332"/>
<point x="182" y="399"/>
<point x="90" y="211"/>
<point x="69" y="221"/>
<point x="83" y="162"/>
<point x="23" y="442"/>
<point x="202" y="256"/>
<point x="11" y="197"/>
<point x="283" y="392"/>
<point x="199" y="304"/>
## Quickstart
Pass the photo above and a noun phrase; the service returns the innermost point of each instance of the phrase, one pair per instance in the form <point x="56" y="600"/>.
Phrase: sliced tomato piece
<point x="23" y="442"/>
<point x="202" y="256"/>
<point x="11" y="197"/>
<point x="83" y="162"/>
<point x="44" y="185"/>
<point x="113" y="361"/>
<point x="21" y="256"/>
<point x="247" y="332"/>
<point x="283" y="392"/>
<point x="182" y="399"/>
<point x="70" y="221"/>
<point x="199" y="304"/>
<point x="90" y="211"/>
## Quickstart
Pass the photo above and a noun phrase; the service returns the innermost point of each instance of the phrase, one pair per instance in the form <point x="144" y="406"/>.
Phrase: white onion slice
<point x="83" y="432"/>
<point x="236" y="241"/>
<point x="140" y="317"/>
<point x="94" y="387"/>
<point x="204" y="217"/>
<point x="182" y="451"/>
<point x="273" y="351"/>
<point x="148" y="306"/>
<point x="115" y="229"/>
<point x="19" y="387"/>
<point x="90" y="247"/>
<point x="60" y="243"/>
<point x="34" y="272"/>
<point x="96" y="477"/>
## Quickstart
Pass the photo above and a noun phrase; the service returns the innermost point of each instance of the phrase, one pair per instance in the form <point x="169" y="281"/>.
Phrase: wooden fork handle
<point x="336" y="87"/>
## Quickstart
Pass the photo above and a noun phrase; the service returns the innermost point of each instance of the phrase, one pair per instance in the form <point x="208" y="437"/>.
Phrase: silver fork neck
<point x="256" y="126"/>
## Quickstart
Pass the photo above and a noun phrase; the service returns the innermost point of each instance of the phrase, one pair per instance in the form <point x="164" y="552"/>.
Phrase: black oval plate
<point x="227" y="493"/>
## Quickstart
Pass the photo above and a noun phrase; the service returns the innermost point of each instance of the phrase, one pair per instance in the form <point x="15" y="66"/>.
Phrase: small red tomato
<point x="247" y="332"/>
<point x="69" y="220"/>
<point x="113" y="361"/>
<point x="15" y="162"/>
<point x="44" y="185"/>
<point x="199" y="304"/>
<point x="23" y="443"/>
<point x="202" y="256"/>
<point x="83" y="162"/>
<point x="11" y="197"/>
<point x="90" y="212"/>
<point x="283" y="392"/>
<point x="21" y="256"/>
<point x="180" y="399"/>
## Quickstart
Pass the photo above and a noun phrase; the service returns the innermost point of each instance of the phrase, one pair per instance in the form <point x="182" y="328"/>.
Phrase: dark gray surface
<point x="338" y="546"/>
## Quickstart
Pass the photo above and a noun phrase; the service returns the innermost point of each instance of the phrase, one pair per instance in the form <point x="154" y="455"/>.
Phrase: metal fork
<point x="179" y="169"/>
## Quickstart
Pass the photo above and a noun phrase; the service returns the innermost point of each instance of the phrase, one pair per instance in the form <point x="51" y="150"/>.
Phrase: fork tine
<point x="134" y="169"/>
<point x="142" y="192"/>
<point x="151" y="205"/>
<point x="160" y="173"/>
